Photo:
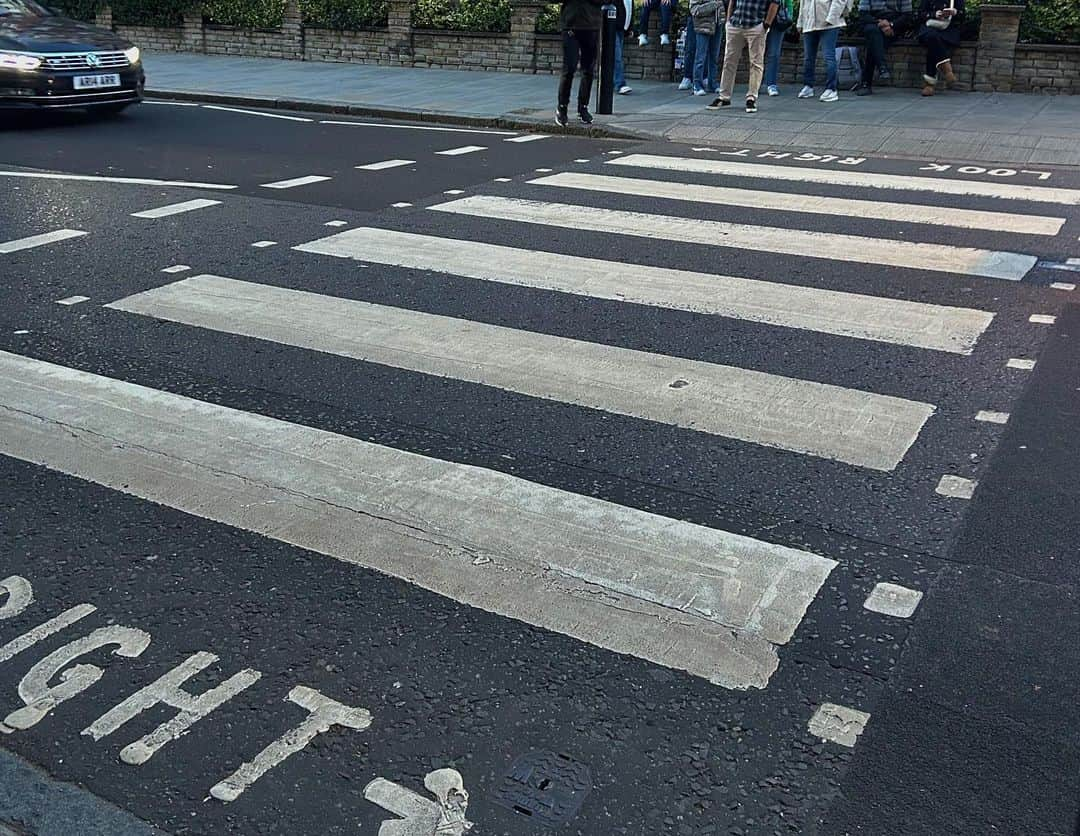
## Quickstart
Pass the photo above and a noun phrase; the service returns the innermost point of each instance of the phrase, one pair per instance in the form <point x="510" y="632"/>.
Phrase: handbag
<point x="782" y="21"/>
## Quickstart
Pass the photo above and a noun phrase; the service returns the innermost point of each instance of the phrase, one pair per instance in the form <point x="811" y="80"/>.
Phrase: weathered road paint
<point x="20" y="595"/>
<point x="418" y="815"/>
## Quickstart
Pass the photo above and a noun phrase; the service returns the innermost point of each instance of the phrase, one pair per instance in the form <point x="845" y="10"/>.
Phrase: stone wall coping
<point x="460" y="33"/>
<point x="1068" y="49"/>
<point x="379" y="30"/>
<point x="1003" y="7"/>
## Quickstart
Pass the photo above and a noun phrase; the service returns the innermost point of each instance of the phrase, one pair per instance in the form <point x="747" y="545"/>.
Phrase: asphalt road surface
<point x="384" y="478"/>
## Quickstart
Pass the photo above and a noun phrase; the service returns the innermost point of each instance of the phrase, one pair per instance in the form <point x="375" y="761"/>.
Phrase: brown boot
<point x="946" y="70"/>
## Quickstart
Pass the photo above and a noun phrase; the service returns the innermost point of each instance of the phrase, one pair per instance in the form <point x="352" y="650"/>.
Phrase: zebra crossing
<point x="682" y="595"/>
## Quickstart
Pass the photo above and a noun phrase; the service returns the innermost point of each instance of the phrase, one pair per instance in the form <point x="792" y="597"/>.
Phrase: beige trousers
<point x="753" y="39"/>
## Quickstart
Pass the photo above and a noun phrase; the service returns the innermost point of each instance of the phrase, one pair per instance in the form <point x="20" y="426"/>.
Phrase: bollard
<point x="610" y="27"/>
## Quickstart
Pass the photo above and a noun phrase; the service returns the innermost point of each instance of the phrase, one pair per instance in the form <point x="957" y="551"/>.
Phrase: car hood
<point x="29" y="33"/>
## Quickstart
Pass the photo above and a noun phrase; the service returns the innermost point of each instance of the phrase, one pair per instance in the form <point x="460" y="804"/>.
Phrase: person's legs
<point x="646" y="10"/>
<point x="755" y="43"/>
<point x="810" y="41"/>
<point x="689" y="49"/>
<point x="774" y="45"/>
<point x="587" y="40"/>
<point x="733" y="48"/>
<point x="875" y="50"/>
<point x="828" y="40"/>
<point x="701" y="61"/>
<point x="620" y="73"/>
<point x="667" y="11"/>
<point x="569" y="65"/>
<point x="715" y="42"/>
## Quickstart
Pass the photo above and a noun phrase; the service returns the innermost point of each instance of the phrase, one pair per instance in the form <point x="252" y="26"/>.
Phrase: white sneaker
<point x="700" y="91"/>
<point x="773" y="90"/>
<point x="626" y="88"/>
<point x="829" y="96"/>
<point x="642" y="40"/>
<point x="807" y="92"/>
<point x="665" y="40"/>
<point x="685" y="84"/>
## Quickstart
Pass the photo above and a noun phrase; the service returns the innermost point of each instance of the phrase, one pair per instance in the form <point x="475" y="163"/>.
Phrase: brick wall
<point x="1046" y="69"/>
<point x="995" y="62"/>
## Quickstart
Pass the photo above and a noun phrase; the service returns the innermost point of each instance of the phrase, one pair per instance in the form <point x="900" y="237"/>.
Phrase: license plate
<point x="96" y="82"/>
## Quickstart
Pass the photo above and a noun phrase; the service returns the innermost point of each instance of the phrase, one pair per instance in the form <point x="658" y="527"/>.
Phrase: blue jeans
<point x="620" y="74"/>
<point x="774" y="44"/>
<point x="825" y="39"/>
<point x="666" y="11"/>
<point x="706" y="56"/>
<point x="690" y="49"/>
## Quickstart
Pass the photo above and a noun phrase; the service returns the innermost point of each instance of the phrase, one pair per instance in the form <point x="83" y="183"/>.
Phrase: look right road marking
<point x="864" y="179"/>
<point x="685" y="596"/>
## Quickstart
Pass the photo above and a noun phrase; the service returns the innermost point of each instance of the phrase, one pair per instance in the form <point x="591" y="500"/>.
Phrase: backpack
<point x="848" y="66"/>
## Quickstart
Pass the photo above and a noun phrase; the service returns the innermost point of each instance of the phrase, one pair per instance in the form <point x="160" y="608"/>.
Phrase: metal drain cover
<point x="546" y="786"/>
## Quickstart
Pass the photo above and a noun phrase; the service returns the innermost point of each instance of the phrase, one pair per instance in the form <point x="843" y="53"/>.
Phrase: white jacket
<point x="815" y="15"/>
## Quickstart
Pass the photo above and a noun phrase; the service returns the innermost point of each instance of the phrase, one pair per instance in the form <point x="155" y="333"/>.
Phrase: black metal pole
<point x="610" y="27"/>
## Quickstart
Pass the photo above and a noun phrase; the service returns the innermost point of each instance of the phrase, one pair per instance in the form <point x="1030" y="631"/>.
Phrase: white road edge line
<point x="125" y="181"/>
<point x="39" y="240"/>
<point x="257" y="113"/>
<point x="416" y="128"/>
<point x="176" y="208"/>
<point x="685" y="596"/>
<point x="864" y="429"/>
<point x="895" y="321"/>
<point x="942" y="258"/>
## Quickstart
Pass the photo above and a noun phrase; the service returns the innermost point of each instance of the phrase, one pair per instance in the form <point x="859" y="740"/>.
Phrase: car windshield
<point x="21" y="7"/>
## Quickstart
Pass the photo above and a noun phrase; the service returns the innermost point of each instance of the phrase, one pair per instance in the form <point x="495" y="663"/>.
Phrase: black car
<point x="49" y="61"/>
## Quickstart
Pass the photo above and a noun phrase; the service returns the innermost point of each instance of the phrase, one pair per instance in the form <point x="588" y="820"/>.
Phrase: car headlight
<point x="19" y="61"/>
<point x="132" y="55"/>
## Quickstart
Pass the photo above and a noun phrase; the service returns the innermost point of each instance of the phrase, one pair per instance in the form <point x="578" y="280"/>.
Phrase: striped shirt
<point x="886" y="6"/>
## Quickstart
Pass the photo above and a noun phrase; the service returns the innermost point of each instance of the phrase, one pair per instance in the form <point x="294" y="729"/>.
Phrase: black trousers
<point x="938" y="49"/>
<point x="876" y="44"/>
<point x="579" y="46"/>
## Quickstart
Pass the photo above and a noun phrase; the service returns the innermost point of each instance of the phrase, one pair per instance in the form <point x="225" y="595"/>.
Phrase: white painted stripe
<point x="864" y="179"/>
<point x="454" y="191"/>
<point x="40" y="240"/>
<point x="465" y="149"/>
<point x="893" y="599"/>
<point x="811" y="204"/>
<point x="170" y="104"/>
<point x="176" y="208"/>
<point x="401" y="205"/>
<point x="415" y="128"/>
<point x="385" y="164"/>
<point x="859" y="428"/>
<point x="838" y="724"/>
<point x="262" y="245"/>
<point x="956" y="487"/>
<point x="258" y="113"/>
<point x="176" y="268"/>
<point x="126" y="181"/>
<point x="528" y="138"/>
<point x="1063" y="286"/>
<point x="1017" y="363"/>
<point x="72" y="300"/>
<point x="941" y="258"/>
<point x="991" y="417"/>
<point x="682" y="595"/>
<point x="503" y="180"/>
<point x="894" y="321"/>
<point x="336" y="223"/>
<point x="1042" y="319"/>
<point x="296" y="181"/>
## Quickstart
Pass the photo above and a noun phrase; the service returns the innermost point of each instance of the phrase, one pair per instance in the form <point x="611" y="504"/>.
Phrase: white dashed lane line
<point x="385" y="164"/>
<point x="296" y="181"/>
<point x="464" y="149"/>
<point x="39" y="240"/>
<point x="72" y="300"/>
<point x="528" y="138"/>
<point x="176" y="208"/>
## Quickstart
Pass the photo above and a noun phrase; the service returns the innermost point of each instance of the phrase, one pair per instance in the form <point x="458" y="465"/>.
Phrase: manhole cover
<point x="546" y="786"/>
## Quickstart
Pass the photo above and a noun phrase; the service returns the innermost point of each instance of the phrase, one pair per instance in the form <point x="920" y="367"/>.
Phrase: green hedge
<point x="148" y="12"/>
<point x="463" y="15"/>
<point x="344" y="14"/>
<point x="250" y="14"/>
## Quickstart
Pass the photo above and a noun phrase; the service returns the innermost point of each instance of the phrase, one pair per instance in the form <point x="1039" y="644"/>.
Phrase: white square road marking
<point x="956" y="487"/>
<point x="464" y="149"/>
<point x="1018" y="363"/>
<point x="1042" y="319"/>
<point x="992" y="417"/>
<point x="385" y="164"/>
<point x="72" y="300"/>
<point x="838" y="724"/>
<point x="296" y="181"/>
<point x="893" y="599"/>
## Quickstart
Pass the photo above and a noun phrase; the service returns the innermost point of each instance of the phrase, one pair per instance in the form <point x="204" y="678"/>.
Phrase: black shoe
<point x="584" y="115"/>
<point x="751" y="105"/>
<point x="718" y="103"/>
<point x="560" y="117"/>
<point x="864" y="89"/>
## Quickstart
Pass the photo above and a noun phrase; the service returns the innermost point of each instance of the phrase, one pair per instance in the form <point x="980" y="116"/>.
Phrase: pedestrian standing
<point x="820" y="22"/>
<point x="748" y="21"/>
<point x="774" y="46"/>
<point x="667" y="11"/>
<point x="579" y="21"/>
<point x="940" y="35"/>
<point x="623" y="24"/>
<point x="706" y="15"/>
<point x="689" y="55"/>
